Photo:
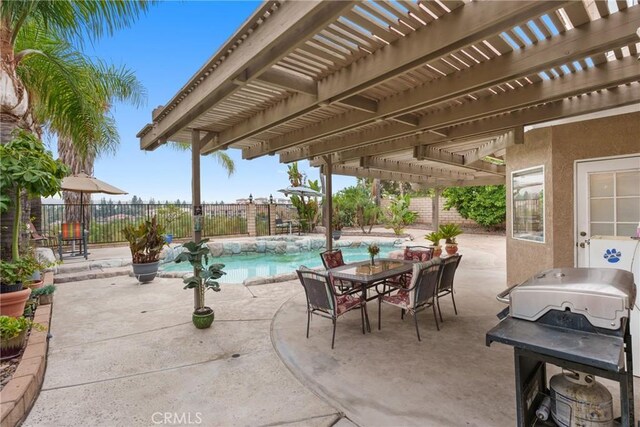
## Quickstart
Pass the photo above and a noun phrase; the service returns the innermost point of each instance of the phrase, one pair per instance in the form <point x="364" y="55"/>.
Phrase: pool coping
<point x="283" y="277"/>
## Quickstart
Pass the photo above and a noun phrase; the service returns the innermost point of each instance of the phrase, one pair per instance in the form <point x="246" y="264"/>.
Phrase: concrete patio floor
<point x="124" y="354"/>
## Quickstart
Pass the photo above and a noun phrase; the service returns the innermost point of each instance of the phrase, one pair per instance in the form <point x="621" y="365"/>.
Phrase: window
<point x="614" y="203"/>
<point x="527" y="204"/>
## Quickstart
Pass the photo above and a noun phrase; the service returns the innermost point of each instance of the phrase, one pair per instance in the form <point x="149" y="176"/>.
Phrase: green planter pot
<point x="203" y="319"/>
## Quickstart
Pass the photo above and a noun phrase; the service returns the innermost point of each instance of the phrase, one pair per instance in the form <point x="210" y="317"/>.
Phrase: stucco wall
<point x="557" y="148"/>
<point x="607" y="137"/>
<point x="525" y="258"/>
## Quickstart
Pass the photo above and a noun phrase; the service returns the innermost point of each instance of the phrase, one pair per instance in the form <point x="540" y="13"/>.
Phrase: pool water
<point x="241" y="267"/>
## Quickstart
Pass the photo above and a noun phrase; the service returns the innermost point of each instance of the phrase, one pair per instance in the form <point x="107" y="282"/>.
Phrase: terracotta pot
<point x="12" y="347"/>
<point x="437" y="251"/>
<point x="451" y="248"/>
<point x="34" y="284"/>
<point x="12" y="304"/>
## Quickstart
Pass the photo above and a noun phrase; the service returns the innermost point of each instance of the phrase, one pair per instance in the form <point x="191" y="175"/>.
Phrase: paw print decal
<point x="612" y="255"/>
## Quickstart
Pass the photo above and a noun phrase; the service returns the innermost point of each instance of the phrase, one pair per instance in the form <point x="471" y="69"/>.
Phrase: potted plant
<point x="373" y="250"/>
<point x="44" y="294"/>
<point x="25" y="167"/>
<point x="145" y="242"/>
<point x="336" y="224"/>
<point x="13" y="332"/>
<point x="204" y="277"/>
<point x="13" y="275"/>
<point x="449" y="232"/>
<point x="434" y="237"/>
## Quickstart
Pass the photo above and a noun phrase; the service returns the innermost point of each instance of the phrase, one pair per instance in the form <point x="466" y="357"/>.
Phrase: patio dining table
<point x="370" y="275"/>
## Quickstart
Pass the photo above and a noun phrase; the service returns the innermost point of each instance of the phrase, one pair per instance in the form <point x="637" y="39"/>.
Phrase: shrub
<point x="485" y="205"/>
<point x="399" y="215"/>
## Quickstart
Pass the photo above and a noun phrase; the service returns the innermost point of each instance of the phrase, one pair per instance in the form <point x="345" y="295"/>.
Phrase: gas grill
<point x="575" y="318"/>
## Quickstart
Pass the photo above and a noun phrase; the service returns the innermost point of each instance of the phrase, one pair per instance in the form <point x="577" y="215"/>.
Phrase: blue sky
<point x="165" y="48"/>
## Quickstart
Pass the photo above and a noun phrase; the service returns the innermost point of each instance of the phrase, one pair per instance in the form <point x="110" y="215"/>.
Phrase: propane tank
<point x="577" y="400"/>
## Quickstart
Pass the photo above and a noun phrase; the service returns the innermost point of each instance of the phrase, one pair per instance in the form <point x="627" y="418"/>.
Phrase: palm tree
<point x="58" y="23"/>
<point x="221" y="157"/>
<point x="39" y="70"/>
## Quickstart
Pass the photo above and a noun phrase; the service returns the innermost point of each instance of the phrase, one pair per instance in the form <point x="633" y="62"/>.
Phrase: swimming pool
<point x="241" y="267"/>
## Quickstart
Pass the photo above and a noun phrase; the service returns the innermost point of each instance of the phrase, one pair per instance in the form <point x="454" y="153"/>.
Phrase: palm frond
<point x="221" y="157"/>
<point x="72" y="94"/>
<point x="73" y="20"/>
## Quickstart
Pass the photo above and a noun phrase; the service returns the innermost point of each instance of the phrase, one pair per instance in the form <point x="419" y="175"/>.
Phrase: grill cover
<point x="604" y="296"/>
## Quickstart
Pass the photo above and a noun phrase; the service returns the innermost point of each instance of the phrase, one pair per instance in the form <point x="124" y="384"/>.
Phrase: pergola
<point x="429" y="92"/>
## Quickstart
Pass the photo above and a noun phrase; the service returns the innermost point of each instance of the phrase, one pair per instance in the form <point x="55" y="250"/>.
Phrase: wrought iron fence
<point x="262" y="220"/>
<point x="105" y="222"/>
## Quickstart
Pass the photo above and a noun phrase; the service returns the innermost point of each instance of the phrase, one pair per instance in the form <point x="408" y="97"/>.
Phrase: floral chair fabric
<point x="421" y="254"/>
<point x="419" y="294"/>
<point x="323" y="299"/>
<point x="332" y="259"/>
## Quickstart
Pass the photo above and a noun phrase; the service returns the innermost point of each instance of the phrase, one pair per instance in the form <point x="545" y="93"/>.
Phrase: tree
<point x="26" y="165"/>
<point x="53" y="25"/>
<point x="47" y="82"/>
<point x="486" y="205"/>
<point x="399" y="214"/>
<point x="357" y="207"/>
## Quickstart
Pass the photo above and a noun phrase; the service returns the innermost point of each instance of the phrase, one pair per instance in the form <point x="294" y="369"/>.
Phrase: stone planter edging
<point x="19" y="394"/>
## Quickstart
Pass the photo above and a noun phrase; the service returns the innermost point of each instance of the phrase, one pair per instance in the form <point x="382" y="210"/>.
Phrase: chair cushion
<point x="347" y="302"/>
<point x="333" y="259"/>
<point x="416" y="255"/>
<point x="399" y="299"/>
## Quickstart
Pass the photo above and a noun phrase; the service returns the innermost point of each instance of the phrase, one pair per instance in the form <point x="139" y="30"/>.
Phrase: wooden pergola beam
<point x="466" y="25"/>
<point x="604" y="75"/>
<point x="292" y="25"/>
<point x="418" y="179"/>
<point x="424" y="152"/>
<point x="412" y="169"/>
<point x="591" y="38"/>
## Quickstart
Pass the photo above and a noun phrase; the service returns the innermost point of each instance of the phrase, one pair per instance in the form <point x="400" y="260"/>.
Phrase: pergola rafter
<point x="417" y="91"/>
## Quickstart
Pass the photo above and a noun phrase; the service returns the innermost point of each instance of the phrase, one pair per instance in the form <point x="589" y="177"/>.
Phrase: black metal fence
<point x="105" y="222"/>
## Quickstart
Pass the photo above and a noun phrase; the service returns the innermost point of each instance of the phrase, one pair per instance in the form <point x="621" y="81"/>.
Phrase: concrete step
<point x="97" y="273"/>
<point x="73" y="267"/>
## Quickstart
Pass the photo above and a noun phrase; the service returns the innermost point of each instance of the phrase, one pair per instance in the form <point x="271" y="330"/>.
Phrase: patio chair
<point x="445" y="283"/>
<point x="412" y="253"/>
<point x="419" y="295"/>
<point x="324" y="301"/>
<point x="333" y="259"/>
<point x="40" y="239"/>
<point x="71" y="233"/>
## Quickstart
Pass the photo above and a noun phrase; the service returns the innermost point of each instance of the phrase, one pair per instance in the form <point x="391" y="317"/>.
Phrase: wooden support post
<point x="195" y="178"/>
<point x="435" y="209"/>
<point x="328" y="202"/>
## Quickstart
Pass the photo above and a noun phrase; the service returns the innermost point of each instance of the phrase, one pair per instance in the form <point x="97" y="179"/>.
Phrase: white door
<point x="608" y="204"/>
<point x="607" y="201"/>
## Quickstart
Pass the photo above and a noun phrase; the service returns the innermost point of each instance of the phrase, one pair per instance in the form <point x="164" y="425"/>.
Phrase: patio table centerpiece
<point x="373" y="250"/>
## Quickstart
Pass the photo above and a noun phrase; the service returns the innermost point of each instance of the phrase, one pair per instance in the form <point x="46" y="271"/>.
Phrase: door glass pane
<point x="628" y="183"/>
<point x="602" y="210"/>
<point x="627" y="230"/>
<point x="602" y="230"/>
<point x="628" y="210"/>
<point x="601" y="184"/>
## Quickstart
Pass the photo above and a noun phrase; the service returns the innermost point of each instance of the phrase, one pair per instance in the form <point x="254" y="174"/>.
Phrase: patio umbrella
<point x="301" y="191"/>
<point x="83" y="183"/>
